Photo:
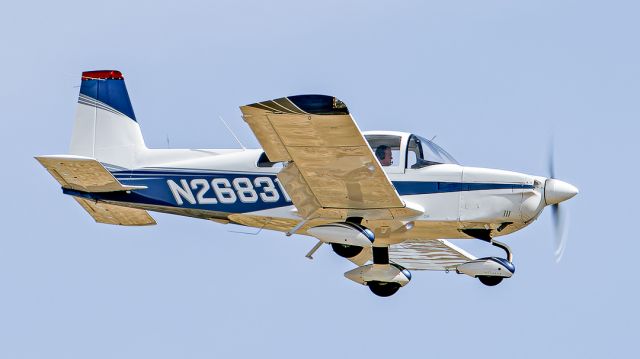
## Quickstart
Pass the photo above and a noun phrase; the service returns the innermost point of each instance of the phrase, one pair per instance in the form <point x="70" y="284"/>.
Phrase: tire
<point x="490" y="280"/>
<point x="383" y="289"/>
<point x="345" y="250"/>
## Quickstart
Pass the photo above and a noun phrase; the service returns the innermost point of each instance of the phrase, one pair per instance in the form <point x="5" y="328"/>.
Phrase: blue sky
<point x="492" y="79"/>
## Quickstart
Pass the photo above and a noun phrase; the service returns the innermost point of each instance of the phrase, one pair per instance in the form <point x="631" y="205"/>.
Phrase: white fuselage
<point x="452" y="197"/>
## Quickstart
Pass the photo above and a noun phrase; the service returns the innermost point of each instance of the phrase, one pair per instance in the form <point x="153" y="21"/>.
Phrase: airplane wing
<point x="330" y="164"/>
<point x="435" y="254"/>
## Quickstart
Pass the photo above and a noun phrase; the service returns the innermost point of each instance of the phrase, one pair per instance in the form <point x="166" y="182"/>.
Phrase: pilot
<point x="383" y="152"/>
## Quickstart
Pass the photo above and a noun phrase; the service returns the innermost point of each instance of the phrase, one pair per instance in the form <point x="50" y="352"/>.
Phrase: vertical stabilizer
<point x="106" y="128"/>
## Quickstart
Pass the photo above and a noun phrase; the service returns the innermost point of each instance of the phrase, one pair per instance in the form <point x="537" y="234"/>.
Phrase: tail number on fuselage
<point x="221" y="190"/>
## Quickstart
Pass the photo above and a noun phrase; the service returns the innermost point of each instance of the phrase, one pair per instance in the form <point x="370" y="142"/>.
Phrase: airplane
<point x="387" y="201"/>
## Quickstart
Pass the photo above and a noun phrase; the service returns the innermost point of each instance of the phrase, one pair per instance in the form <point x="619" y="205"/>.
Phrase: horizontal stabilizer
<point x="82" y="174"/>
<point x="112" y="214"/>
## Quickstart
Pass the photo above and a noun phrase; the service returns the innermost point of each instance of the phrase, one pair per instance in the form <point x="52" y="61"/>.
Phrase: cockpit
<point x="397" y="151"/>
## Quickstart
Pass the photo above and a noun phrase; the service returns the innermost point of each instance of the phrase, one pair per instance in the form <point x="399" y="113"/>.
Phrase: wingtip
<point x="313" y="104"/>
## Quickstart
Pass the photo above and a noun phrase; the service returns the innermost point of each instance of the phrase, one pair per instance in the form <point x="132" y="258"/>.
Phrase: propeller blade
<point x="559" y="217"/>
<point x="551" y="162"/>
<point x="560" y="224"/>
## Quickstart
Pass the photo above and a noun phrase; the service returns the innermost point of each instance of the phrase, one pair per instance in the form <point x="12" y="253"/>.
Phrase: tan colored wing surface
<point x="82" y="174"/>
<point x="331" y="164"/>
<point x="111" y="214"/>
<point x="88" y="175"/>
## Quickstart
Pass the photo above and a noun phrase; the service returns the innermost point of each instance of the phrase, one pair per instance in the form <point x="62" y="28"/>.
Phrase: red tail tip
<point x="102" y="75"/>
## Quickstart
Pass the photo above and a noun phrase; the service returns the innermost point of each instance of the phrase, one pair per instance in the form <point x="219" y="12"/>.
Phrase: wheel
<point x="345" y="250"/>
<point x="383" y="289"/>
<point x="490" y="280"/>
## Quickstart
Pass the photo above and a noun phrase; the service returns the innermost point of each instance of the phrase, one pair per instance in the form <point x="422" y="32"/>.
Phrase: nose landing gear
<point x="490" y="270"/>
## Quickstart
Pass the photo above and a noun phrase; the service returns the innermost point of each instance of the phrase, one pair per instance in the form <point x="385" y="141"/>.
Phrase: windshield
<point x="422" y="152"/>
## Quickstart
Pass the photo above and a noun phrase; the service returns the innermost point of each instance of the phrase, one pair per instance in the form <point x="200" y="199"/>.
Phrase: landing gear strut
<point x="503" y="247"/>
<point x="485" y="235"/>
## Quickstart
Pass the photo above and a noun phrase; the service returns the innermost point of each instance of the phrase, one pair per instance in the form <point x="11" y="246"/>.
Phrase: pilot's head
<point x="383" y="152"/>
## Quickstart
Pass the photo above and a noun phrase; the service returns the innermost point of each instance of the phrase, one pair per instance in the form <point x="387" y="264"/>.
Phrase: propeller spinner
<point x="556" y="191"/>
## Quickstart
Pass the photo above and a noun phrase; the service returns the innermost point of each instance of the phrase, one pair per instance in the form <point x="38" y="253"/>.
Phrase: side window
<point x="412" y="159"/>
<point x="414" y="152"/>
<point x="386" y="148"/>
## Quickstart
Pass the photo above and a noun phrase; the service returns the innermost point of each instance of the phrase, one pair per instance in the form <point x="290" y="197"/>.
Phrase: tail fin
<point x="106" y="128"/>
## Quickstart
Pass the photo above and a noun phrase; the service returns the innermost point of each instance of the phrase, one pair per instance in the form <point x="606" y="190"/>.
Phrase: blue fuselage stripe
<point x="159" y="193"/>
<point x="417" y="187"/>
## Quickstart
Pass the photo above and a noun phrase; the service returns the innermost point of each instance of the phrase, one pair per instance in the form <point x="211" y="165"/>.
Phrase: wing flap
<point x="436" y="254"/>
<point x="345" y="177"/>
<point x="118" y="215"/>
<point x="299" y="191"/>
<point x="82" y="174"/>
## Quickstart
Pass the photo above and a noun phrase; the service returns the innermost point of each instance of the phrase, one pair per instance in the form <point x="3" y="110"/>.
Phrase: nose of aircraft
<point x="556" y="191"/>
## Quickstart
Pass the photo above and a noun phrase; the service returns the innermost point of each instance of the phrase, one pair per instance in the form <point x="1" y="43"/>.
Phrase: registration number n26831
<point x="227" y="191"/>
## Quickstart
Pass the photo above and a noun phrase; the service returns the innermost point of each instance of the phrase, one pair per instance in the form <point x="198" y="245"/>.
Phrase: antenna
<point x="253" y="234"/>
<point x="168" y="145"/>
<point x="233" y="134"/>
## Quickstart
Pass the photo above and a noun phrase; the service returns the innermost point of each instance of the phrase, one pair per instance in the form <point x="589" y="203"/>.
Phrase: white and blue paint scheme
<point x="317" y="175"/>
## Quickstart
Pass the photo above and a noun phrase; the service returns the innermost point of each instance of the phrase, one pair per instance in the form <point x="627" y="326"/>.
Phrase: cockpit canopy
<point x="396" y="152"/>
<point x="402" y="150"/>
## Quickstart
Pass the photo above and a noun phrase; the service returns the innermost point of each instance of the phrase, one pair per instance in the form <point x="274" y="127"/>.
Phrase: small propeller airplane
<point x="387" y="201"/>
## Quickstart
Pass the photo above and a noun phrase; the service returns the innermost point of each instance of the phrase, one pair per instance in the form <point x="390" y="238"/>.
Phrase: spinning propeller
<point x="556" y="191"/>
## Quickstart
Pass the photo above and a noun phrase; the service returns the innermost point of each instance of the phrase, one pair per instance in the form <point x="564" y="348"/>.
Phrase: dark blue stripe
<point x="111" y="92"/>
<point x="417" y="187"/>
<point x="403" y="187"/>
<point x="158" y="192"/>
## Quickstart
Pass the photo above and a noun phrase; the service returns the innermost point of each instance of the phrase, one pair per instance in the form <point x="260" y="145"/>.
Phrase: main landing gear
<point x="382" y="277"/>
<point x="352" y="240"/>
<point x="381" y="288"/>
